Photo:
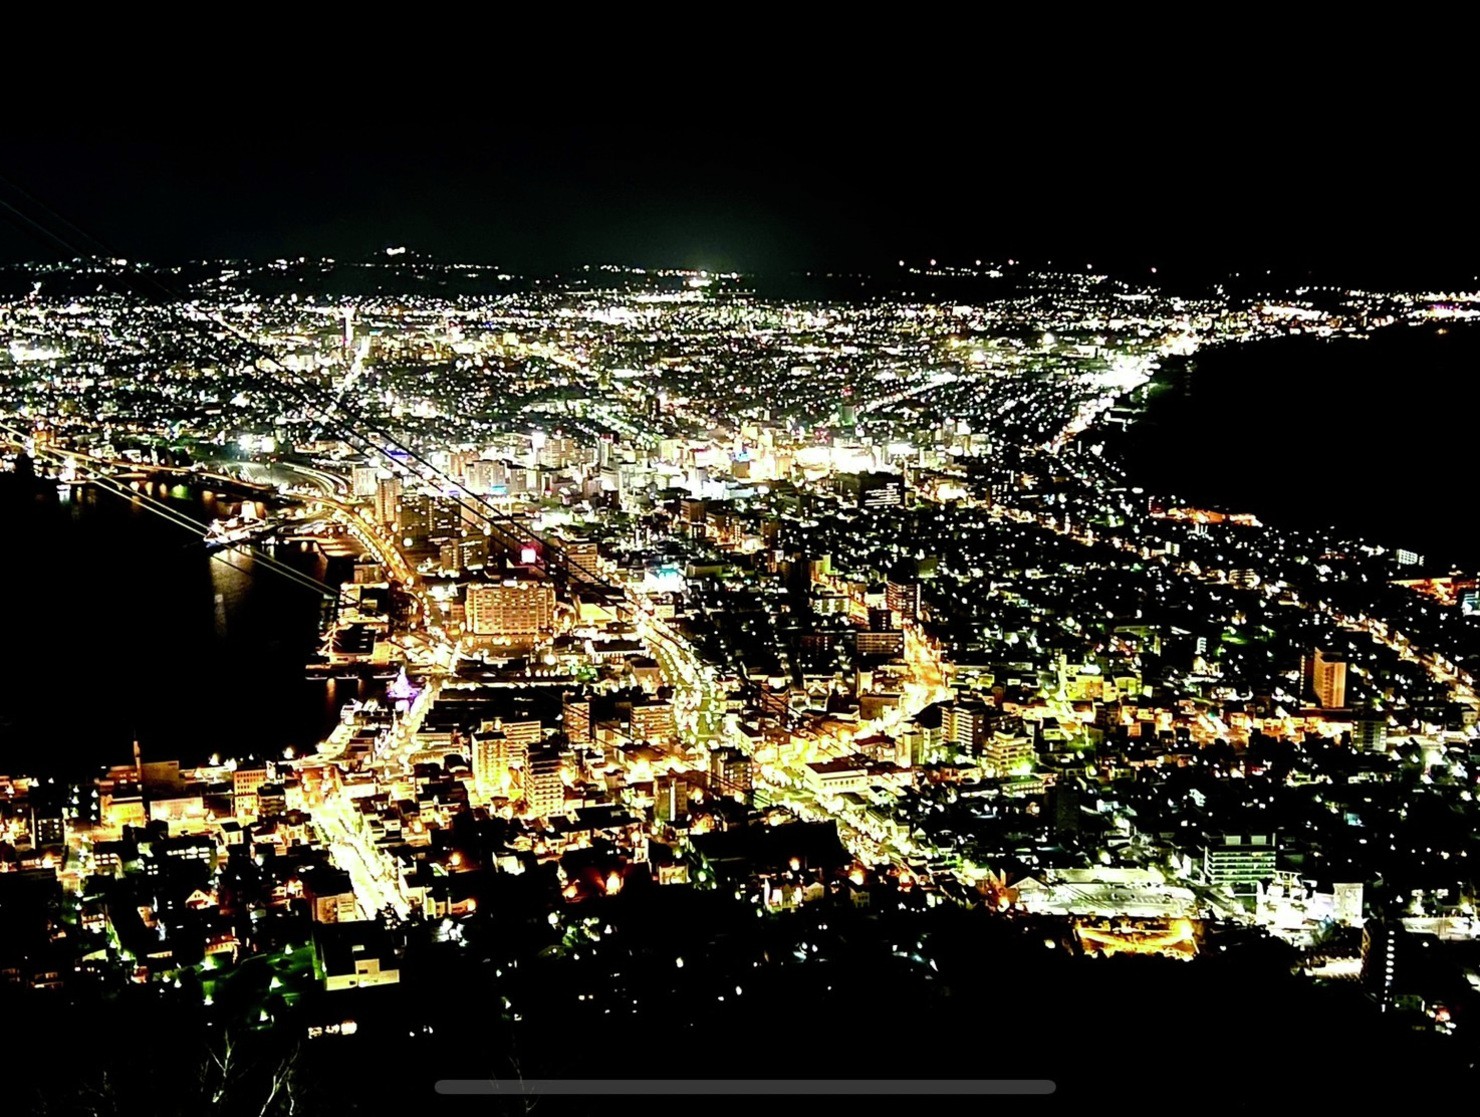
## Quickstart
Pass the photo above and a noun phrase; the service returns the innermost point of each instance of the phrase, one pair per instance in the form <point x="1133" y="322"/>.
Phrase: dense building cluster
<point x="671" y="589"/>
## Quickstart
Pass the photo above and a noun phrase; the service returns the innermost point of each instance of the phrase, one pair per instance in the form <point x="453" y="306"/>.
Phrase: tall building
<point x="444" y="519"/>
<point x="511" y="610"/>
<point x="670" y="797"/>
<point x="463" y="554"/>
<point x="544" y="790"/>
<point x="501" y="748"/>
<point x="387" y="499"/>
<point x="652" y="720"/>
<point x="902" y="593"/>
<point x="911" y="745"/>
<point x="693" y="510"/>
<point x="1369" y="731"/>
<point x="458" y="462"/>
<point x="1348" y="903"/>
<point x="558" y="452"/>
<point x="244" y="785"/>
<point x="1239" y="861"/>
<point x="414" y="517"/>
<point x="730" y="772"/>
<point x="48" y="820"/>
<point x="879" y="643"/>
<point x="1323" y="676"/>
<point x="365" y="480"/>
<point x="1007" y="754"/>
<point x="965" y="725"/>
<point x="575" y="718"/>
<point x="472" y="553"/>
<point x="582" y="561"/>
<point x="872" y="490"/>
<point x="1067" y="800"/>
<point x="486" y="478"/>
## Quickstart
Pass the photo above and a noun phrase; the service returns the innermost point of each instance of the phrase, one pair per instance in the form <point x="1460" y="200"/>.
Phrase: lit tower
<point x="847" y="411"/>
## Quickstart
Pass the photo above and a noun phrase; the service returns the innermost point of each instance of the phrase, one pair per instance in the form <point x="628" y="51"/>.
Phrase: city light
<point x="852" y="642"/>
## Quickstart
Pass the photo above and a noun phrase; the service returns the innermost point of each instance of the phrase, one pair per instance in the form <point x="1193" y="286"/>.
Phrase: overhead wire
<point x="512" y="534"/>
<point x="172" y="515"/>
<point x="487" y="512"/>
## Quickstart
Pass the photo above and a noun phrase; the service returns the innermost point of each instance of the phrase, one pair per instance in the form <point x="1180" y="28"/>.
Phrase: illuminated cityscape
<point x="762" y="673"/>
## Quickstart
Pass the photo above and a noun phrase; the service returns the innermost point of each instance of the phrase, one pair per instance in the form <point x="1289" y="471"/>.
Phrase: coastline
<point x="1309" y="433"/>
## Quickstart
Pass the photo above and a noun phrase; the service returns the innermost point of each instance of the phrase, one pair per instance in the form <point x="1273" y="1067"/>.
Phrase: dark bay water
<point x="119" y="623"/>
<point x="1375" y="437"/>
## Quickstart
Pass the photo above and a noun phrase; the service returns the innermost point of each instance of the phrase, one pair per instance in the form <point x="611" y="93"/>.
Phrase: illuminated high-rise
<point x="576" y="718"/>
<point x="1008" y="754"/>
<point x="365" y="479"/>
<point x="544" y="790"/>
<point x="500" y="749"/>
<point x="511" y="610"/>
<point x="485" y="477"/>
<point x="582" y="560"/>
<point x="387" y="499"/>
<point x="965" y="724"/>
<point x="730" y="773"/>
<point x="1323" y="676"/>
<point x="652" y="720"/>
<point x="1239" y="861"/>
<point x="1370" y="728"/>
<point x="902" y="592"/>
<point x="670" y="797"/>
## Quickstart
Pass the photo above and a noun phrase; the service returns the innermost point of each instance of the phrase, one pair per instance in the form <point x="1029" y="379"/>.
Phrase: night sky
<point x="771" y="195"/>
